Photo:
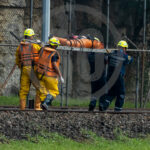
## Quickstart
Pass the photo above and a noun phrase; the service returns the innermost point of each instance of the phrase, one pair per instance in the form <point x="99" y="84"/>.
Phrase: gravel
<point x="20" y="124"/>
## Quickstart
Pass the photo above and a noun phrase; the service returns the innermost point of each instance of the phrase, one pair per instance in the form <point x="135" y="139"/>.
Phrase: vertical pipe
<point x="107" y="34"/>
<point x="67" y="80"/>
<point x="143" y="55"/>
<point x="137" y="73"/>
<point x="31" y="12"/>
<point x="137" y="81"/>
<point x="144" y="45"/>
<point x="61" y="99"/>
<point x="70" y="16"/>
<point x="144" y="32"/>
<point x="107" y="42"/>
<point x="46" y="20"/>
<point x="68" y="53"/>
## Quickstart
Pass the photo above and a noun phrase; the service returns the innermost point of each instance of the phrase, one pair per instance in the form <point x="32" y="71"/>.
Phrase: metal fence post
<point x="107" y="34"/>
<point x="46" y="20"/>
<point x="144" y="45"/>
<point x="68" y="53"/>
<point x="31" y="12"/>
<point x="107" y="44"/>
<point x="143" y="55"/>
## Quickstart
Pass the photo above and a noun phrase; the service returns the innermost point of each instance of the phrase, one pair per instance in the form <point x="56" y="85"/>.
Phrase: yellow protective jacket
<point x="22" y="55"/>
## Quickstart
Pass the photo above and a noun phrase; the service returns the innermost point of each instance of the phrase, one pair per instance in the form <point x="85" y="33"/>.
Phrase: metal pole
<point x="70" y="16"/>
<point x="107" y="42"/>
<point x="137" y="80"/>
<point x="143" y="55"/>
<point x="31" y="12"/>
<point x="46" y="20"/>
<point x="68" y="53"/>
<point x="144" y="32"/>
<point x="67" y="80"/>
<point x="61" y="99"/>
<point x="144" y="42"/>
<point x="137" y="73"/>
<point x="107" y="34"/>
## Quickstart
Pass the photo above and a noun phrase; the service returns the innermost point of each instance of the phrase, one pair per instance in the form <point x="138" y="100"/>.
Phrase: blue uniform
<point x="96" y="85"/>
<point x="117" y="62"/>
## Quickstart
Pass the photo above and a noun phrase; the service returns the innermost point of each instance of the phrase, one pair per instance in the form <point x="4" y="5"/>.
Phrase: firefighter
<point x="117" y="62"/>
<point x="27" y="55"/>
<point x="48" y="73"/>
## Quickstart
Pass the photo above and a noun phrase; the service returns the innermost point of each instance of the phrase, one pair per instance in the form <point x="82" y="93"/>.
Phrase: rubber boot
<point x="92" y="104"/>
<point x="22" y="104"/>
<point x="37" y="104"/>
<point x="47" y="102"/>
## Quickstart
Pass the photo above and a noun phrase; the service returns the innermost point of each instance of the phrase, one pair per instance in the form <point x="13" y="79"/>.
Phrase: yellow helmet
<point x="29" y="32"/>
<point x="54" y="41"/>
<point x="122" y="44"/>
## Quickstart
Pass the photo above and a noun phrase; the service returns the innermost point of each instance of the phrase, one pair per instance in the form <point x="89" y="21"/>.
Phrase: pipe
<point x="31" y="12"/>
<point x="107" y="34"/>
<point x="137" y="73"/>
<point x="107" y="43"/>
<point x="144" y="44"/>
<point x="68" y="54"/>
<point x="143" y="55"/>
<point x="46" y="20"/>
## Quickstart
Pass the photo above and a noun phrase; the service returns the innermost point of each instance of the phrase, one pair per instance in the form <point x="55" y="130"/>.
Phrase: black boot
<point x="92" y="104"/>
<point x="47" y="102"/>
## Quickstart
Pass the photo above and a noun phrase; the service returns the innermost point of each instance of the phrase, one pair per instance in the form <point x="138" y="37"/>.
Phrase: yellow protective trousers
<point x="27" y="77"/>
<point x="48" y="85"/>
<point x="25" y="82"/>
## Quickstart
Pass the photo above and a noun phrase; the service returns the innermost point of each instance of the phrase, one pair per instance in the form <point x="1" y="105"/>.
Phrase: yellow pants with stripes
<point x="48" y="85"/>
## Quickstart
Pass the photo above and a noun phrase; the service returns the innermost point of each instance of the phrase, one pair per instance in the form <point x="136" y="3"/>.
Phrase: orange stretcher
<point x="81" y="43"/>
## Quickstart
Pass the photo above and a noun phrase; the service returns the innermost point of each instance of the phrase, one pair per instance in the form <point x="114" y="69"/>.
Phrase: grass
<point x="57" y="142"/>
<point x="14" y="101"/>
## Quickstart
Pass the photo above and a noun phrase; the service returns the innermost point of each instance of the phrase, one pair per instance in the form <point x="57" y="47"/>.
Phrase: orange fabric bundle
<point x="83" y="43"/>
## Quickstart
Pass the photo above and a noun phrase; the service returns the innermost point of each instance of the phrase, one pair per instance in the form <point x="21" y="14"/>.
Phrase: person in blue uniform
<point x="117" y="62"/>
<point x="96" y="84"/>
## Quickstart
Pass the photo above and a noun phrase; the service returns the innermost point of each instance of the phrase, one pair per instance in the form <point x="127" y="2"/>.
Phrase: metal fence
<point x="29" y="14"/>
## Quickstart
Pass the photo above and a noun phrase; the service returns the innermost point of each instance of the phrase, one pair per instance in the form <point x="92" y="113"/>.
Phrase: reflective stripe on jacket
<point x="28" y="54"/>
<point x="45" y="65"/>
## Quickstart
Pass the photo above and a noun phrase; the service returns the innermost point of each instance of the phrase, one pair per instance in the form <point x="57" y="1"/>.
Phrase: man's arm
<point x="56" y="68"/>
<point x="58" y="71"/>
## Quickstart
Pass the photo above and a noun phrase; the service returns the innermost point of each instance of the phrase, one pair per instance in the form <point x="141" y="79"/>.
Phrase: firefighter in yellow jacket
<point x="48" y="73"/>
<point x="27" y="55"/>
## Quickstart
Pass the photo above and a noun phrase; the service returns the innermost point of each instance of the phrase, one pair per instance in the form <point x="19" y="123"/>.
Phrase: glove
<point x="62" y="79"/>
<point x="129" y="58"/>
<point x="38" y="41"/>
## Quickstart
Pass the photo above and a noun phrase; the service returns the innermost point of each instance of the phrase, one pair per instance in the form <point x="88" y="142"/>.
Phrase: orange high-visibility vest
<point x="45" y="66"/>
<point x="28" y="54"/>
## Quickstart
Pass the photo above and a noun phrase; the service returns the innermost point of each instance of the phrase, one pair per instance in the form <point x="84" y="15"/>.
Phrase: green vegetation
<point x="6" y="101"/>
<point x="14" y="101"/>
<point x="57" y="142"/>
